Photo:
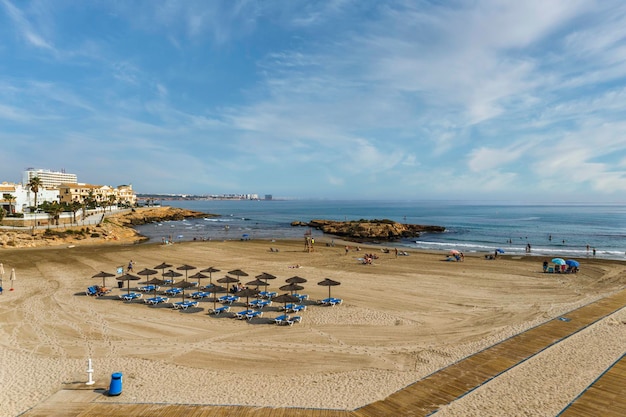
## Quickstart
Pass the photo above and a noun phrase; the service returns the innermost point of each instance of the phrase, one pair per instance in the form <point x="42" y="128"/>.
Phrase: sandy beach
<point x="402" y="318"/>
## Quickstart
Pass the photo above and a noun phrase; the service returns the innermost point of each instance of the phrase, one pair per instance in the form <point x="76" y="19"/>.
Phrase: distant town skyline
<point x="483" y="100"/>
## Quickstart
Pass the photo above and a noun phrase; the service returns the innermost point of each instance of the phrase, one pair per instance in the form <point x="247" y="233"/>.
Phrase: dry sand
<point x="402" y="318"/>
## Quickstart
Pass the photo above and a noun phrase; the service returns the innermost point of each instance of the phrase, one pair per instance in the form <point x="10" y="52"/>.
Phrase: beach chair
<point x="156" y="300"/>
<point x="297" y="308"/>
<point x="254" y="303"/>
<point x="92" y="291"/>
<point x="100" y="291"/>
<point x="173" y="291"/>
<point x="184" y="305"/>
<point x="131" y="296"/>
<point x="254" y="314"/>
<point x="228" y="299"/>
<point x="200" y="294"/>
<point x="219" y="310"/>
<point x="286" y="307"/>
<point x="331" y="301"/>
<point x="282" y="319"/>
<point x="263" y="303"/>
<point x="149" y="288"/>
<point x="242" y="314"/>
<point x="302" y="297"/>
<point x="294" y="319"/>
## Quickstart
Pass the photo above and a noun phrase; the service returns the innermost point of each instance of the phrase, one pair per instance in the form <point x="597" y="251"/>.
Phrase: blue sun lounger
<point x="184" y="305"/>
<point x="243" y="314"/>
<point x="254" y="314"/>
<point x="294" y="319"/>
<point x="173" y="291"/>
<point x="302" y="297"/>
<point x="200" y="294"/>
<point x="156" y="300"/>
<point x="228" y="299"/>
<point x="131" y="296"/>
<point x="149" y="288"/>
<point x="219" y="310"/>
<point x="282" y="319"/>
<point x="331" y="301"/>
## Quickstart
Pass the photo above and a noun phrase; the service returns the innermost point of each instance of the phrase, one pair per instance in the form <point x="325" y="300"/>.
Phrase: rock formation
<point x="372" y="230"/>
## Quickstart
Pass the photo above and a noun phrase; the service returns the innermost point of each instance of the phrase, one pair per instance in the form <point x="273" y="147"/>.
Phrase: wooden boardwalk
<point x="605" y="397"/>
<point x="424" y="397"/>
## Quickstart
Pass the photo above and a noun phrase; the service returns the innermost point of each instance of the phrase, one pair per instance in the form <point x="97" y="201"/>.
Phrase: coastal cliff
<point x="376" y="230"/>
<point x="114" y="228"/>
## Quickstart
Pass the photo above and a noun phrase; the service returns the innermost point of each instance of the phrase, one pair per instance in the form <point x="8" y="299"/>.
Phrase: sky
<point x="337" y="99"/>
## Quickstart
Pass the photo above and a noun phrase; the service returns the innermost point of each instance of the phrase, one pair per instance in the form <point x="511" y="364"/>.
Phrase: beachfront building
<point x="49" y="179"/>
<point x="16" y="198"/>
<point x="98" y="195"/>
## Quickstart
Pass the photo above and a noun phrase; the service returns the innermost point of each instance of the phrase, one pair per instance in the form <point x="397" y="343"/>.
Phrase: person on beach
<point x="130" y="266"/>
<point x="545" y="266"/>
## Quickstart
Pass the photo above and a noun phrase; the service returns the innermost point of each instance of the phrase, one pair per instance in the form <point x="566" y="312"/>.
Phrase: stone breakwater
<point x="371" y="230"/>
<point x="115" y="228"/>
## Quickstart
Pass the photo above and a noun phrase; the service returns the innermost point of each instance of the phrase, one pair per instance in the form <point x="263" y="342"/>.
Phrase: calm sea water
<point x="551" y="230"/>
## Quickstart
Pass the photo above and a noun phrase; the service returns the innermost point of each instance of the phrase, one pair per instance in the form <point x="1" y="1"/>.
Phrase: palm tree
<point x="112" y="199"/>
<point x="9" y="198"/>
<point x="34" y="184"/>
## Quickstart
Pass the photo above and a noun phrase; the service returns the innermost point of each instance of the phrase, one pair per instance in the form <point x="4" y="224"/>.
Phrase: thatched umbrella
<point x="156" y="282"/>
<point x="198" y="276"/>
<point x="163" y="266"/>
<point x="103" y="275"/>
<point x="210" y="270"/>
<point x="186" y="268"/>
<point x="147" y="272"/>
<point x="296" y="280"/>
<point x="182" y="285"/>
<point x="214" y="289"/>
<point x="327" y="282"/>
<point x="248" y="292"/>
<point x="292" y="288"/>
<point x="227" y="280"/>
<point x="172" y="274"/>
<point x="286" y="298"/>
<point x="129" y="278"/>
<point x="238" y="273"/>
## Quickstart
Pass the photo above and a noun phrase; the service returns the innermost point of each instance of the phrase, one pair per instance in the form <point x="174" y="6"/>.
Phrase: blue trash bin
<point x="116" y="384"/>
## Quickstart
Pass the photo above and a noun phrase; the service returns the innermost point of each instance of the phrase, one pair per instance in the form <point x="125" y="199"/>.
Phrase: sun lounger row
<point x="248" y="314"/>
<point x="302" y="297"/>
<point x="259" y="303"/>
<point x="184" y="305"/>
<point x="228" y="299"/>
<point x="131" y="296"/>
<point x="268" y="295"/>
<point x="97" y="291"/>
<point x="292" y="308"/>
<point x="149" y="288"/>
<point x="331" y="301"/>
<point x="200" y="294"/>
<point x="156" y="300"/>
<point x="173" y="291"/>
<point x="285" y="319"/>
<point x="219" y="310"/>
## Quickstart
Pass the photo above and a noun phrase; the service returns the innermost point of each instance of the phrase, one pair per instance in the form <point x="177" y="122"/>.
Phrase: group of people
<point x="560" y="269"/>
<point x="368" y="258"/>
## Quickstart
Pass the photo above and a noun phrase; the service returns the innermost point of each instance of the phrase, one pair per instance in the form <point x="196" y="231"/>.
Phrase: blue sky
<point x="484" y="99"/>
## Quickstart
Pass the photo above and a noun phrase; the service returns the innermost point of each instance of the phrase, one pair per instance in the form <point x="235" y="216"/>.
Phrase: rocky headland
<point x="115" y="227"/>
<point x="370" y="230"/>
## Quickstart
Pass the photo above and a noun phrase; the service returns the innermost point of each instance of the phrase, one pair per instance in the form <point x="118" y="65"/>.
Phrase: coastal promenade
<point x="425" y="397"/>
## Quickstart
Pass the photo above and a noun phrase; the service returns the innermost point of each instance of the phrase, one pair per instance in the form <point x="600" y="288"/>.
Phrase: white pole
<point x="90" y="373"/>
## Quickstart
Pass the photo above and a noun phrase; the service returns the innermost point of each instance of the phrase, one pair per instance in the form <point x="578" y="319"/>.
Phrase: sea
<point x="552" y="230"/>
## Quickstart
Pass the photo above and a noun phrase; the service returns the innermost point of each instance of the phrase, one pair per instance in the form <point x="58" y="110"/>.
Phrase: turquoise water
<point x="551" y="230"/>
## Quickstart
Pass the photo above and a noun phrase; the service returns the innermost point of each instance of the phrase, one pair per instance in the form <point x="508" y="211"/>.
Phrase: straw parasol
<point x="172" y="274"/>
<point x="182" y="285"/>
<point x="327" y="282"/>
<point x="186" y="268"/>
<point x="286" y="298"/>
<point x="238" y="273"/>
<point x="147" y="272"/>
<point x="295" y="280"/>
<point x="227" y="280"/>
<point x="292" y="288"/>
<point x="129" y="278"/>
<point x="210" y="270"/>
<point x="103" y="275"/>
<point x="198" y="276"/>
<point x="214" y="289"/>
<point x="163" y="266"/>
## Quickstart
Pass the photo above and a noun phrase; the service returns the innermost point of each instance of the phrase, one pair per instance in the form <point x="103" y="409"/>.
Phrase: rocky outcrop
<point x="373" y="230"/>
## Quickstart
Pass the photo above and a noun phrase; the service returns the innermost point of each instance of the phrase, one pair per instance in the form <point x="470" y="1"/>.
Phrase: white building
<point x="49" y="179"/>
<point x="22" y="197"/>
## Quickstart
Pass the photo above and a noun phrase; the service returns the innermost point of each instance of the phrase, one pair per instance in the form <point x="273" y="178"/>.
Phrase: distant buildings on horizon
<point x="61" y="187"/>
